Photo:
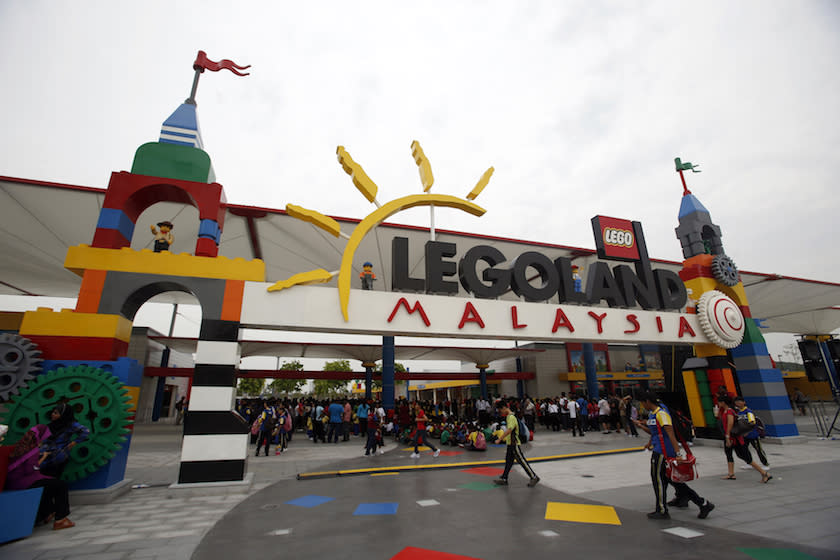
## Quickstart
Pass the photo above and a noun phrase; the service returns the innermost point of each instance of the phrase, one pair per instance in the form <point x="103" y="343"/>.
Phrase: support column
<point x="591" y="370"/>
<point x="215" y="441"/>
<point x="368" y="379"/>
<point x="388" y="372"/>
<point x="482" y="376"/>
<point x="520" y="383"/>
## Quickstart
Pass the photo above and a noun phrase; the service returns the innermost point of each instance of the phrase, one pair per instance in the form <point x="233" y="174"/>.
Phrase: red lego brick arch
<point x="134" y="193"/>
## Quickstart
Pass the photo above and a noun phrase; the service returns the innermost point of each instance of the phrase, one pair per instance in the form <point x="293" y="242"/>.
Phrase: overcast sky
<point x="580" y="106"/>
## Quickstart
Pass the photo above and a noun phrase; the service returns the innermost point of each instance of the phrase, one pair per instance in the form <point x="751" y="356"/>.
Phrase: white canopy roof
<point x="40" y="220"/>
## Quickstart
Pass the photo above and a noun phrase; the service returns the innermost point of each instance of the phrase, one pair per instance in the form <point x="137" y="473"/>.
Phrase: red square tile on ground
<point x="451" y="453"/>
<point x="485" y="471"/>
<point x="411" y="553"/>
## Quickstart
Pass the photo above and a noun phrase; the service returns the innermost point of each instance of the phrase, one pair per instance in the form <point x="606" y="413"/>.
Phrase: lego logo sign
<point x="616" y="239"/>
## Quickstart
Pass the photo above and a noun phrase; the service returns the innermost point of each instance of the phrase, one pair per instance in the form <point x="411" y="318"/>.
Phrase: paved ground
<point x="457" y="512"/>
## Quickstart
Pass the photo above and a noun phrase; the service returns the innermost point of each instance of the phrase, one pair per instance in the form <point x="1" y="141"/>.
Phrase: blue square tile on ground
<point x="310" y="501"/>
<point x="382" y="508"/>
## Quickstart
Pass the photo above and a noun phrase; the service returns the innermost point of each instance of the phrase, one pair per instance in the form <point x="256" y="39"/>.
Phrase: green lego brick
<point x="159" y="159"/>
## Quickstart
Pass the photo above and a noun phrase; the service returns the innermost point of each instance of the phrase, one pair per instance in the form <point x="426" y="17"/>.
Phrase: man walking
<point x="514" y="452"/>
<point x="663" y="442"/>
<point x="420" y="436"/>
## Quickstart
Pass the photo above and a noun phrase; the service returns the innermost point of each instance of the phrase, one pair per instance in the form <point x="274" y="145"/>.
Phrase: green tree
<point x="377" y="383"/>
<point x="332" y="387"/>
<point x="250" y="387"/>
<point x="288" y="385"/>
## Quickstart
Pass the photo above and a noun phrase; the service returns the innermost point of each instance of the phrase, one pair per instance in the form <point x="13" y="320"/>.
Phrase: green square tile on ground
<point x="776" y="554"/>
<point x="480" y="486"/>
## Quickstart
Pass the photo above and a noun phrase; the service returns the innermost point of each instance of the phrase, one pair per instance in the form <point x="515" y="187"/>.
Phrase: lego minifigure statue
<point x="163" y="238"/>
<point x="367" y="276"/>
<point x="577" y="278"/>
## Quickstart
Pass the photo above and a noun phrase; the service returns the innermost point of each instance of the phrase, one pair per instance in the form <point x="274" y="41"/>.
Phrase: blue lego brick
<point x="18" y="509"/>
<point x="310" y="501"/>
<point x="209" y="229"/>
<point x="127" y="370"/>
<point x="768" y="403"/>
<point x="750" y="349"/>
<point x="760" y="376"/>
<point x="384" y="508"/>
<point x="111" y="218"/>
<point x="107" y="475"/>
<point x="781" y="430"/>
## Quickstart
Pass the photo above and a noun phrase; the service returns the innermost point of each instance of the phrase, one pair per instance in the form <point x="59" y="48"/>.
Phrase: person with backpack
<point x="663" y="443"/>
<point x="268" y="422"/>
<point x="734" y="441"/>
<point x="753" y="437"/>
<point x="514" y="453"/>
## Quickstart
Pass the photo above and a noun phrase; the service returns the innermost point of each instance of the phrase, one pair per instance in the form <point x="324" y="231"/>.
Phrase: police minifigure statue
<point x="164" y="237"/>
<point x="367" y="276"/>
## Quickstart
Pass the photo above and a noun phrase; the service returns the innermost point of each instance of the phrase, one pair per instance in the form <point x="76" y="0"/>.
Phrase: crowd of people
<point x="38" y="459"/>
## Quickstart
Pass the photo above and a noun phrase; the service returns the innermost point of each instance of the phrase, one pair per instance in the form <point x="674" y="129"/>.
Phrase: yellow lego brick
<point x="692" y="395"/>
<point x="134" y="393"/>
<point x="10" y="320"/>
<point x="706" y="350"/>
<point x="700" y="286"/>
<point x="145" y="261"/>
<point x="581" y="513"/>
<point x="46" y="322"/>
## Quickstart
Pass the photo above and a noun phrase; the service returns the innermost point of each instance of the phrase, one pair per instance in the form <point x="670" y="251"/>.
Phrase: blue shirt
<point x="656" y="423"/>
<point x="362" y="411"/>
<point x="336" y="413"/>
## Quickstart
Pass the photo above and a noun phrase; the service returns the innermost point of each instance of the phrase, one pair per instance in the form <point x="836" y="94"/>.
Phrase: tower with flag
<point x="713" y="279"/>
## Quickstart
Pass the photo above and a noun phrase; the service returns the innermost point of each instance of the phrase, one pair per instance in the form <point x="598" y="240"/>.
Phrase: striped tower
<point x="706" y="268"/>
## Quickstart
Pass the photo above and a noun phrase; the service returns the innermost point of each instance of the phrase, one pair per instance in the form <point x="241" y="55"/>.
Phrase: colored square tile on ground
<point x="776" y="554"/>
<point x="382" y="508"/>
<point x="421" y="448"/>
<point x="480" y="486"/>
<point x="412" y="553"/>
<point x="450" y="453"/>
<point x="581" y="513"/>
<point x="683" y="532"/>
<point x="427" y="503"/>
<point x="279" y="532"/>
<point x="310" y="501"/>
<point x="485" y="471"/>
<point x="549" y="533"/>
<point x="498" y="445"/>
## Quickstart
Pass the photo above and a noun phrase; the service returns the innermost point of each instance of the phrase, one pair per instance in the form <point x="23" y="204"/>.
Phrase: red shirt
<point x="420" y="417"/>
<point x="737" y="440"/>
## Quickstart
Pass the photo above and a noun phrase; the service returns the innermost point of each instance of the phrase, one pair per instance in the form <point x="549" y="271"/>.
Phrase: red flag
<point x="202" y="62"/>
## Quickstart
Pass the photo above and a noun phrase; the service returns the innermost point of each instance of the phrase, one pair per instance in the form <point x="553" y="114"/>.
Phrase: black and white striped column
<point x="215" y="438"/>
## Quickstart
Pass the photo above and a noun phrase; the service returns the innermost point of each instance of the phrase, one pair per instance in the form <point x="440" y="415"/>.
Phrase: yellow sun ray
<point x="364" y="183"/>
<point x="481" y="184"/>
<point x="315" y="218"/>
<point x="317" y="276"/>
<point x="426" y="177"/>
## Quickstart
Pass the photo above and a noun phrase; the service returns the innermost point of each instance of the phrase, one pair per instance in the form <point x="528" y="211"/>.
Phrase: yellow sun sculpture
<point x="369" y="189"/>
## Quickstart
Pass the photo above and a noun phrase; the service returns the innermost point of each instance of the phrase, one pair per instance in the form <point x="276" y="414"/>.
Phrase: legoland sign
<point x="425" y="306"/>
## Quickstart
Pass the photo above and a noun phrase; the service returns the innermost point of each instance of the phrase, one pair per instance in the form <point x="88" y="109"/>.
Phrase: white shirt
<point x="573" y="406"/>
<point x="603" y="407"/>
<point x="552" y="408"/>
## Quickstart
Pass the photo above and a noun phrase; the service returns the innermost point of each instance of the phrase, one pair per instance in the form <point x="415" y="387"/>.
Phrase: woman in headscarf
<point x="23" y="473"/>
<point x="65" y="434"/>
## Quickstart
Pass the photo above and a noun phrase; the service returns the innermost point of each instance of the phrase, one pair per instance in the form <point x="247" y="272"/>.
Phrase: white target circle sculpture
<point x="721" y="319"/>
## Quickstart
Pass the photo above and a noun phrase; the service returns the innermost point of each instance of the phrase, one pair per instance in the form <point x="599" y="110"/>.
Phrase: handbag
<point x="677" y="470"/>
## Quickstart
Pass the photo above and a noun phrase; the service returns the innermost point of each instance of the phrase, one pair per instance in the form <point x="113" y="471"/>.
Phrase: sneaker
<point x="706" y="509"/>
<point x="382" y="452"/>
<point x="415" y="455"/>
<point x="533" y="482"/>
<point x="500" y="482"/>
<point x="437" y="453"/>
<point x="678" y="503"/>
<point x="658" y="515"/>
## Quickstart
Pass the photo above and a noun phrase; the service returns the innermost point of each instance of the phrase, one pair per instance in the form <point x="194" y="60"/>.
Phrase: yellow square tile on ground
<point x="581" y="513"/>
<point x="421" y="448"/>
